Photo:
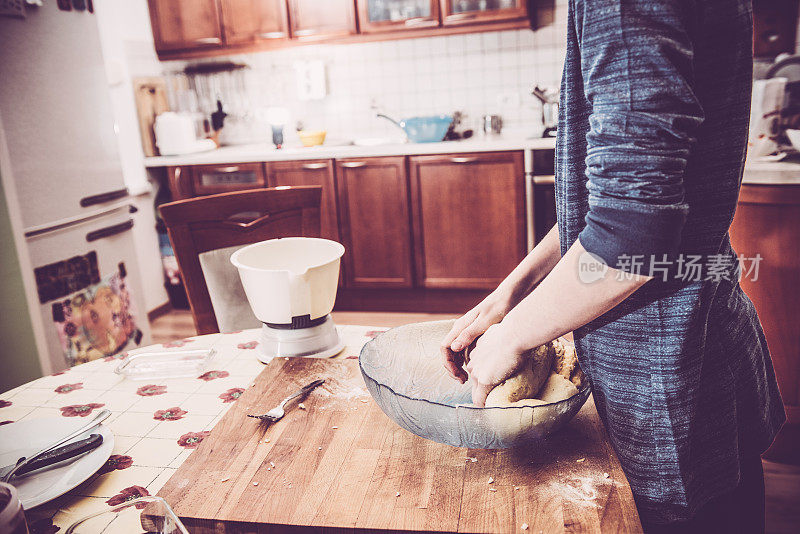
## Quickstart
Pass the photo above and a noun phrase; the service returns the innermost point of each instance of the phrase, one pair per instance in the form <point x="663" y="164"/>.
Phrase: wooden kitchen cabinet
<point x="460" y="12"/>
<point x="185" y="24"/>
<point x="316" y="172"/>
<point x="225" y="178"/>
<point x="252" y="21"/>
<point x="767" y="223"/>
<point x="313" y="20"/>
<point x="179" y="182"/>
<point x="376" y="16"/>
<point x="468" y="216"/>
<point x="373" y="204"/>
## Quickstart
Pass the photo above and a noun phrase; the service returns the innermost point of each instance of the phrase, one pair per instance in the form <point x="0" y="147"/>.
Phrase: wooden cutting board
<point x="342" y="463"/>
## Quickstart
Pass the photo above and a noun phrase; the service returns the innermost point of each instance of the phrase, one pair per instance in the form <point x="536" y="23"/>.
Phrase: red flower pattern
<point x="60" y="373"/>
<point x="5" y="403"/>
<point x="115" y="462"/>
<point x="372" y="334"/>
<point x="231" y="395"/>
<point x="151" y="390"/>
<point x="80" y="410"/>
<point x="120" y="356"/>
<point x="66" y="388"/>
<point x="211" y="375"/>
<point x="248" y="345"/>
<point x="177" y="343"/>
<point x="170" y="414"/>
<point x="129" y="494"/>
<point x="191" y="440"/>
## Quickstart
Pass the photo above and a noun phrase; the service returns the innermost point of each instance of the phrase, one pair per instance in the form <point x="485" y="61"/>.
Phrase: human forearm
<point x="533" y="268"/>
<point x="562" y="302"/>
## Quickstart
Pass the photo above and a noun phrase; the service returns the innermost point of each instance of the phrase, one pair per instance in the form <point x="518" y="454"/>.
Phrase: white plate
<point x="28" y="437"/>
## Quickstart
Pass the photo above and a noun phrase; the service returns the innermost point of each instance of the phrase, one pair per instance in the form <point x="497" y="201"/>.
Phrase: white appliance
<point x="64" y="188"/>
<point x="175" y="135"/>
<point x="291" y="285"/>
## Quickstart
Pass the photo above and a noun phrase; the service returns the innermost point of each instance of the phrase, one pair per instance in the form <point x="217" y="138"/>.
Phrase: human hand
<point x="495" y="358"/>
<point x="469" y="327"/>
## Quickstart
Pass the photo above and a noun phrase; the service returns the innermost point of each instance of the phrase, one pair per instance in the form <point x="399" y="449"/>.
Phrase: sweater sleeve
<point x="637" y="67"/>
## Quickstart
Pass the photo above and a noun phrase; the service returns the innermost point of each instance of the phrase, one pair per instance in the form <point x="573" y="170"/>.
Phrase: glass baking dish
<point x="166" y="364"/>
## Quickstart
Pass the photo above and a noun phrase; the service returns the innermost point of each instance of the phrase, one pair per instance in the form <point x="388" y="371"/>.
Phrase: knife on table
<point x="65" y="452"/>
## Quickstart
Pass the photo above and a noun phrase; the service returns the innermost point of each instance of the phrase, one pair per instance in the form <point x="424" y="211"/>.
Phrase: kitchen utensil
<point x="291" y="286"/>
<point x="492" y="124"/>
<point x="340" y="464"/>
<point x="151" y="100"/>
<point x="404" y="373"/>
<point x="18" y="439"/>
<point x="155" y="517"/>
<point x="277" y="413"/>
<point x="312" y="137"/>
<point x="175" y="135"/>
<point x="22" y="462"/>
<point x="12" y="517"/>
<point x="427" y="129"/>
<point x="549" y="100"/>
<point x="60" y="454"/>
<point x="166" y="364"/>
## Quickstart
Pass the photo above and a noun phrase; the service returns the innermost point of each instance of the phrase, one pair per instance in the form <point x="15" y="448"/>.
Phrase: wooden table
<point x="341" y="464"/>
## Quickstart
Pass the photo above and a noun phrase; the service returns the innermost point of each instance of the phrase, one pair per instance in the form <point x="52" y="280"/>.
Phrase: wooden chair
<point x="227" y="221"/>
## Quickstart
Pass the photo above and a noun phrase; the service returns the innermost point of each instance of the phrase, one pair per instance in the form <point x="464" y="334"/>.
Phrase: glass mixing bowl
<point x="403" y="372"/>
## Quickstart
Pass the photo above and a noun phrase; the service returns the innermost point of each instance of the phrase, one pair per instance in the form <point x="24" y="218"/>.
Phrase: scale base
<point x="321" y="341"/>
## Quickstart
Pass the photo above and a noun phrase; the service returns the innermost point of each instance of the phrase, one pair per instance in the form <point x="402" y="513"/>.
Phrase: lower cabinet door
<point x="468" y="213"/>
<point x="373" y="203"/>
<point x="317" y="172"/>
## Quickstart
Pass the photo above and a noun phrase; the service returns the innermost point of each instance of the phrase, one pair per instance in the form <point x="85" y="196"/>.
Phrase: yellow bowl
<point x="312" y="137"/>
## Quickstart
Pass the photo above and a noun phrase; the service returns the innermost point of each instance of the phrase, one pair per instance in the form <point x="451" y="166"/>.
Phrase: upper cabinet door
<point x="251" y="21"/>
<point x="457" y="12"/>
<point x="376" y="16"/>
<point x="185" y="24"/>
<point x="313" y="20"/>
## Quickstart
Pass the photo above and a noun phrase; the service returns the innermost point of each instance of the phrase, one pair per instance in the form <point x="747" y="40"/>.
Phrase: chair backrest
<point x="205" y="231"/>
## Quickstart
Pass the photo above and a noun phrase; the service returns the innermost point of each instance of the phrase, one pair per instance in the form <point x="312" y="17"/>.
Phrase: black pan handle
<point x="65" y="452"/>
<point x="108" y="231"/>
<point x="103" y="197"/>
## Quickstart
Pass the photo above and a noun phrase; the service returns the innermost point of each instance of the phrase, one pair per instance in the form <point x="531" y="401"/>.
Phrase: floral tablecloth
<point x="156" y="424"/>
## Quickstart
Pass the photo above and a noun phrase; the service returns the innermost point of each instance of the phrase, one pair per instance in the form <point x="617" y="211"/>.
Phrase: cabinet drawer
<point x="211" y="179"/>
<point x="468" y="216"/>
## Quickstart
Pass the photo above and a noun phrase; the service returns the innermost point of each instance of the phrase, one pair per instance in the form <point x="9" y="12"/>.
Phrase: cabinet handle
<point x="462" y="16"/>
<point x="303" y="33"/>
<point x="103" y="197"/>
<point x="108" y="231"/>
<point x="272" y="35"/>
<point x="354" y="164"/>
<point x="314" y="166"/>
<point x="181" y="191"/>
<point x="208" y="40"/>
<point x="228" y="170"/>
<point x="463" y="160"/>
<point x="416" y="21"/>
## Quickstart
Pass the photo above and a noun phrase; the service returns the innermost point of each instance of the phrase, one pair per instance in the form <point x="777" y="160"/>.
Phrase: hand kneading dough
<point x="557" y="388"/>
<point x="527" y="382"/>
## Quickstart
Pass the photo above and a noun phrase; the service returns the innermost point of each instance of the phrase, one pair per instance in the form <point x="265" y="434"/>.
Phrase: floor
<point x="782" y="481"/>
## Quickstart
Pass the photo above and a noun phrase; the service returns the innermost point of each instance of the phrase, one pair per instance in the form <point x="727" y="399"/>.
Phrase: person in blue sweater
<point x="652" y="135"/>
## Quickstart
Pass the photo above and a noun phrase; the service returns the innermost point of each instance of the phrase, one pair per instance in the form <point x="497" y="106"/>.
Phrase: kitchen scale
<point x="291" y="286"/>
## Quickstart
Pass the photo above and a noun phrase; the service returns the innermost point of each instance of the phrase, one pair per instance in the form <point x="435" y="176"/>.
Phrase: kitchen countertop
<point x="266" y="152"/>
<point x="772" y="173"/>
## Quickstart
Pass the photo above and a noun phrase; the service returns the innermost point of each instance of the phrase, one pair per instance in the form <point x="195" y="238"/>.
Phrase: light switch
<point x="311" y="80"/>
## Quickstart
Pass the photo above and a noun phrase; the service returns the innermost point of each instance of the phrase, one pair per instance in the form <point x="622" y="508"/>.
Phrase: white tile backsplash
<point x="477" y="73"/>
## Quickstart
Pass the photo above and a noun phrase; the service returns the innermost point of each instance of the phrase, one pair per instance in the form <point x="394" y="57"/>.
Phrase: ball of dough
<point x="556" y="388"/>
<point x="527" y="382"/>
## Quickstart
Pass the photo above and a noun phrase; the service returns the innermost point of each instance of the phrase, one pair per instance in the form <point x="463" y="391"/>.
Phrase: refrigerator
<point x="64" y="189"/>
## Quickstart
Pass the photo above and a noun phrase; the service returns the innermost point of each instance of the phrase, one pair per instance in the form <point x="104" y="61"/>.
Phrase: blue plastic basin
<point x="430" y="129"/>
